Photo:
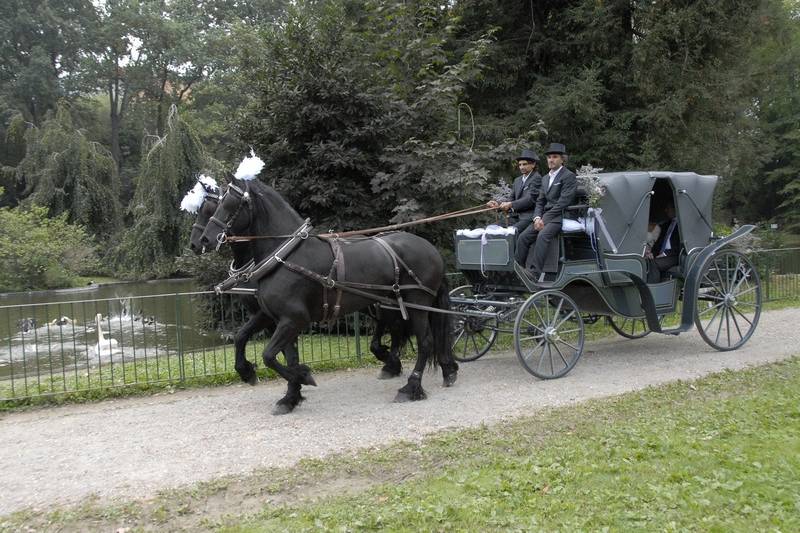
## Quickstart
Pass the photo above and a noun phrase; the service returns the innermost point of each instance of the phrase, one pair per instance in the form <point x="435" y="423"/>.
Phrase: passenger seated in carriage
<point x="665" y="251"/>
<point x="525" y="191"/>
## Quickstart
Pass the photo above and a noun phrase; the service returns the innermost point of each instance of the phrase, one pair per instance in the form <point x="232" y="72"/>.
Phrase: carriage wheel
<point x="630" y="328"/>
<point x="473" y="336"/>
<point x="727" y="300"/>
<point x="548" y="334"/>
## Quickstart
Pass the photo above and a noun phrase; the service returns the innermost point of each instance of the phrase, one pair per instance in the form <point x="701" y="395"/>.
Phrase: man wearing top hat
<point x="557" y="192"/>
<point x="525" y="191"/>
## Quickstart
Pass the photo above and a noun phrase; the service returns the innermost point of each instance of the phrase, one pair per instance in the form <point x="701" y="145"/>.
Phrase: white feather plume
<point x="209" y="182"/>
<point x="194" y="198"/>
<point x="249" y="167"/>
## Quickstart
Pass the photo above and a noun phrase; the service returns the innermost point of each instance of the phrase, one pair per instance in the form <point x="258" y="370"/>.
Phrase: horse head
<point x="232" y="214"/>
<point x="201" y="201"/>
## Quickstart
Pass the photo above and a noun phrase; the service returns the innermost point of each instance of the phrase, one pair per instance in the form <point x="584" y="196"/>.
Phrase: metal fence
<point x="779" y="269"/>
<point x="58" y="348"/>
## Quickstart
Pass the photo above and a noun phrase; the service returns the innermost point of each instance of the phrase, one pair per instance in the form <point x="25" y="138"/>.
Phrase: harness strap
<point x="236" y="276"/>
<point x="396" y="286"/>
<point x="408" y="269"/>
<point x="338" y="267"/>
<point x="268" y="264"/>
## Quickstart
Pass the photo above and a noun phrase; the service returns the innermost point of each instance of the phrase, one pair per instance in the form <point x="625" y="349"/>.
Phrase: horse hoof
<point x="416" y="396"/>
<point x="402" y="397"/>
<point x="449" y="380"/>
<point x="282" y="409"/>
<point x="308" y="379"/>
<point x="253" y="379"/>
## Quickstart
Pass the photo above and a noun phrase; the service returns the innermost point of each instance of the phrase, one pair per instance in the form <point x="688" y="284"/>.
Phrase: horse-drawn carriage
<point x="297" y="278"/>
<point x="601" y="270"/>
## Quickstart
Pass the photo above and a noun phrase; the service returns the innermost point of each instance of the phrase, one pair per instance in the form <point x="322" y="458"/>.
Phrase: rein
<point x="453" y="214"/>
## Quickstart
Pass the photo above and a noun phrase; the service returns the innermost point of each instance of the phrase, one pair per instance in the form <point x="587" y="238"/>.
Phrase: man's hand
<point x="538" y="224"/>
<point x="505" y="206"/>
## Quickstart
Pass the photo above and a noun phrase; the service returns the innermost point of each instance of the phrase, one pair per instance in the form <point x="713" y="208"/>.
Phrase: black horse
<point x="296" y="296"/>
<point x="206" y="195"/>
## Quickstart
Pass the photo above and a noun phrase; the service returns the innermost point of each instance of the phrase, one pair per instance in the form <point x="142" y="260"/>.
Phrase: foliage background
<point x="375" y="111"/>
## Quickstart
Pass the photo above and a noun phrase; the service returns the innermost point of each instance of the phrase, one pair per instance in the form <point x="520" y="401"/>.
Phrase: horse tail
<point x="440" y="327"/>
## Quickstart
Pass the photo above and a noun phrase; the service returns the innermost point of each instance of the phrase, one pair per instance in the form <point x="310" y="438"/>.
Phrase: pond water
<point x="136" y="319"/>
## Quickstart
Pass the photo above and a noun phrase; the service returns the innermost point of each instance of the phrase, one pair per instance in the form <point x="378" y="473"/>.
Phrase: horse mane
<point x="272" y="212"/>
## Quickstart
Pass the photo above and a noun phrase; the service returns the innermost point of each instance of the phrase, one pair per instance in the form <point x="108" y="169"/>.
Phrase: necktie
<point x="666" y="244"/>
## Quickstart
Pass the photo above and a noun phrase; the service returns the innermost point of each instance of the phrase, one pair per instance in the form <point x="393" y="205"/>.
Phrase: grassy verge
<point x="715" y="454"/>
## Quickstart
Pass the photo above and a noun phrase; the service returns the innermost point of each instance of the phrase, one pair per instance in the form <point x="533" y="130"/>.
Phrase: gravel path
<point x="133" y="447"/>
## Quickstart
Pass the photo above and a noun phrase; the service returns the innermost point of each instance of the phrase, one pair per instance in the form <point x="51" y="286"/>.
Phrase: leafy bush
<point x="37" y="252"/>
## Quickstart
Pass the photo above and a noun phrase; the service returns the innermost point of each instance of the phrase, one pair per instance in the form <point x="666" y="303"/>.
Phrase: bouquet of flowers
<point x="589" y="180"/>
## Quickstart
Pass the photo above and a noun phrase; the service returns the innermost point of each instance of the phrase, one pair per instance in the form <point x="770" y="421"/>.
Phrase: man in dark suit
<point x="525" y="190"/>
<point x="557" y="192"/>
<point x="667" y="248"/>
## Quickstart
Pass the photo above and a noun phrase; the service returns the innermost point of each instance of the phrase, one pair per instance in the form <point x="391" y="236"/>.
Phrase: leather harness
<point x="336" y="278"/>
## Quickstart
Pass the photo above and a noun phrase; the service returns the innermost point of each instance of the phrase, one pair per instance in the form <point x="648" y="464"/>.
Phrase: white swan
<point x="104" y="347"/>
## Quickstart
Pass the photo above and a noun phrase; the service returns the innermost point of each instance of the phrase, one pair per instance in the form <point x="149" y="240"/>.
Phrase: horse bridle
<point x="208" y="195"/>
<point x="225" y="226"/>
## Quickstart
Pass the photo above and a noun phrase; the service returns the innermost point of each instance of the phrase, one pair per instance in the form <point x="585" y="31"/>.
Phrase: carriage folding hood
<point x="626" y="208"/>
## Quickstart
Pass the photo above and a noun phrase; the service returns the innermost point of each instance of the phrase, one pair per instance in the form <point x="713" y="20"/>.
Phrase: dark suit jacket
<point x="674" y="240"/>
<point x="561" y="194"/>
<point x="524" y="199"/>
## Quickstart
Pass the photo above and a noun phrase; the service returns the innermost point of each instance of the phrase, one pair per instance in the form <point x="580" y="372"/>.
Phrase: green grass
<point x="715" y="454"/>
<point x="723" y="459"/>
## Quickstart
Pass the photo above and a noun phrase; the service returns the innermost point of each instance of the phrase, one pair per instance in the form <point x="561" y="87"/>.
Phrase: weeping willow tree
<point x="69" y="175"/>
<point x="160" y="230"/>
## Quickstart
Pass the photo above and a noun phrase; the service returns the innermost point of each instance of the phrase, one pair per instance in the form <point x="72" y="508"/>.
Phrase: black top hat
<point x="528" y="155"/>
<point x="556" y="148"/>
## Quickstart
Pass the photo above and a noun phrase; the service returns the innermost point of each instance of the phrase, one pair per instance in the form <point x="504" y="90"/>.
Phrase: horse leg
<point x="391" y="358"/>
<point x="292" y="397"/>
<point x="442" y="334"/>
<point x="295" y="374"/>
<point x="413" y="390"/>
<point x="246" y="369"/>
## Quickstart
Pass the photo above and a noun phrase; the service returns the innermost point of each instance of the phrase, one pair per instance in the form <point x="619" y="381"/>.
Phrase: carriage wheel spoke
<point x="571" y="313"/>
<point x="475" y="344"/>
<point x="708" y="326"/>
<point x="562" y="341"/>
<point x="728" y="325"/>
<point x="460" y="334"/>
<point x="719" y="328"/>
<point x="529" y="356"/>
<point x="736" y="323"/>
<point x="557" y="312"/>
<point x="751" y="289"/>
<point x="534" y="337"/>
<point x="480" y="333"/>
<point x="561" y="355"/>
<point x="742" y="315"/>
<point x="531" y="324"/>
<point x="717" y="306"/>
<point x="568" y="331"/>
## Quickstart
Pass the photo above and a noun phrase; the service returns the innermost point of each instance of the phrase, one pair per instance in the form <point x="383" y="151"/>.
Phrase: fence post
<point x="179" y="338"/>
<point x="357" y="326"/>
